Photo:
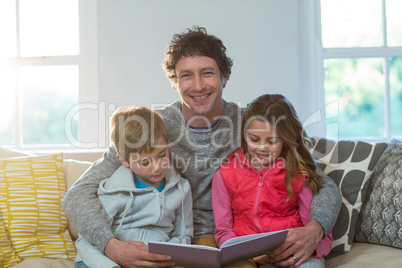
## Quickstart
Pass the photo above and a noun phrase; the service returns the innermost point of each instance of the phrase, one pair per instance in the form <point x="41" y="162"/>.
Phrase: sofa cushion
<point x="73" y="169"/>
<point x="349" y="164"/>
<point x="31" y="190"/>
<point x="7" y="253"/>
<point x="45" y="263"/>
<point x="380" y="221"/>
<point x="367" y="256"/>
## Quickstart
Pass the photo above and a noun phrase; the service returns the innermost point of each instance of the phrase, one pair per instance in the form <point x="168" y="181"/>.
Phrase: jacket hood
<point x="121" y="187"/>
<point x="122" y="180"/>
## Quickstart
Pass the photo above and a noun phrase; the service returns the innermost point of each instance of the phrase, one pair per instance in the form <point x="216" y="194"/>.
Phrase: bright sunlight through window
<point x="362" y="48"/>
<point x="39" y="67"/>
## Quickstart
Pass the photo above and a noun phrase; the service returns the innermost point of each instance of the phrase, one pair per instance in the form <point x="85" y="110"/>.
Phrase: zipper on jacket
<point x="162" y="200"/>
<point x="257" y="200"/>
<point x="161" y="204"/>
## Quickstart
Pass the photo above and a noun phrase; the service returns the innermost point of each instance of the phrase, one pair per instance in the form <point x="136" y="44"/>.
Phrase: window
<point x="43" y="70"/>
<point x="357" y="50"/>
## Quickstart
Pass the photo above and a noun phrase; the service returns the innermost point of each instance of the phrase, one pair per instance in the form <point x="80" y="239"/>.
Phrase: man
<point x="202" y="130"/>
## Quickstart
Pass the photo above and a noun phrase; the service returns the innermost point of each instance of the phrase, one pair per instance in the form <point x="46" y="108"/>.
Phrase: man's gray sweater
<point x="196" y="154"/>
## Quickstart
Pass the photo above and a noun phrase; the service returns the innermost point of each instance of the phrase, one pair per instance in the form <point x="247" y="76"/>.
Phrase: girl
<point x="268" y="184"/>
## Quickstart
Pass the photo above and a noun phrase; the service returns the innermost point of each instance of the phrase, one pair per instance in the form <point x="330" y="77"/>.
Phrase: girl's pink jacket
<point x="222" y="202"/>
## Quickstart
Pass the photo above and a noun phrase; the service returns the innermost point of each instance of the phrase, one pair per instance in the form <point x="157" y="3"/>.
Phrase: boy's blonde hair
<point x="135" y="129"/>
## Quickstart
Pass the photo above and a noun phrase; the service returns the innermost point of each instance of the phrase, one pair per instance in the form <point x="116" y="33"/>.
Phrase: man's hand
<point x="131" y="254"/>
<point x="299" y="243"/>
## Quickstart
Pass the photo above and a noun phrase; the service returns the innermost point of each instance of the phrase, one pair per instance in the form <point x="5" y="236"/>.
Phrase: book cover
<point x="239" y="248"/>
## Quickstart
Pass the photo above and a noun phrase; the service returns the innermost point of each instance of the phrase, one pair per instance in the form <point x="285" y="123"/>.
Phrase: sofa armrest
<point x="73" y="169"/>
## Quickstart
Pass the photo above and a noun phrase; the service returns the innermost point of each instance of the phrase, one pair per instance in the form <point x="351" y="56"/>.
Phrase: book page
<point x="194" y="256"/>
<point x="239" y="248"/>
<point x="245" y="247"/>
<point x="240" y="239"/>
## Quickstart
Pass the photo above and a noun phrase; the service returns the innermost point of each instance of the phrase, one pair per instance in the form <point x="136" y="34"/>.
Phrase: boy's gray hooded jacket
<point x="142" y="214"/>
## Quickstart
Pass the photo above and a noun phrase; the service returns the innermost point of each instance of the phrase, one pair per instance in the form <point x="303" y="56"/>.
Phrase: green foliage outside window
<point x="357" y="86"/>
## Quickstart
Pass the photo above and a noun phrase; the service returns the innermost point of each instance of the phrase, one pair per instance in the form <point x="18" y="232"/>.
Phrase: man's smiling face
<point x="200" y="85"/>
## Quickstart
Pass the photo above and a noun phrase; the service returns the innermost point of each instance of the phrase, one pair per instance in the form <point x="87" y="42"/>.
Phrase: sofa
<point x="368" y="231"/>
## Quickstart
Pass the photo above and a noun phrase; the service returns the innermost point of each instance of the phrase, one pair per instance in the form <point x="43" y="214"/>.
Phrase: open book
<point x="239" y="248"/>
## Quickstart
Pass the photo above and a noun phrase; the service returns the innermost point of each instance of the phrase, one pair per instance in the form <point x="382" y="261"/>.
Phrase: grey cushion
<point x="349" y="164"/>
<point x="380" y="220"/>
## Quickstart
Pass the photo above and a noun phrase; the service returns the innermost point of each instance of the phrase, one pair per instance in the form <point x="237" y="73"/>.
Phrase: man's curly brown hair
<point x="197" y="42"/>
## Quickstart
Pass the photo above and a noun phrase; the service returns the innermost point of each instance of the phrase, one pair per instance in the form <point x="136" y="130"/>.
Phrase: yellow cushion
<point x="31" y="190"/>
<point x="7" y="253"/>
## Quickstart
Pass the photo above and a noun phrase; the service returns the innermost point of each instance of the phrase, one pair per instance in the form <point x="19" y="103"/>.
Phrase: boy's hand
<point x="263" y="259"/>
<point x="135" y="254"/>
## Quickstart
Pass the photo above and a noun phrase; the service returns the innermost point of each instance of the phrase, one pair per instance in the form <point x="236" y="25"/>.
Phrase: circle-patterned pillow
<point x="380" y="220"/>
<point x="349" y="164"/>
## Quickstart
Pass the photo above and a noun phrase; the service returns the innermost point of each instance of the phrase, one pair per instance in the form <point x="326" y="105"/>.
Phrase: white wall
<point x="261" y="37"/>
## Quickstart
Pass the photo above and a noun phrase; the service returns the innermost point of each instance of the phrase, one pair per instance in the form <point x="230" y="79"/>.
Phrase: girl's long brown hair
<point x="280" y="113"/>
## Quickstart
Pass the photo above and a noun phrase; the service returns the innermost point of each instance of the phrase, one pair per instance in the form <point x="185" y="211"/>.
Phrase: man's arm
<point x="82" y="205"/>
<point x="92" y="256"/>
<point x="326" y="204"/>
<point x="304" y="203"/>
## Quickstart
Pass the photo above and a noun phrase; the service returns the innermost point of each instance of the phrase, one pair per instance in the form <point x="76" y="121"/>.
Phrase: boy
<point x="145" y="199"/>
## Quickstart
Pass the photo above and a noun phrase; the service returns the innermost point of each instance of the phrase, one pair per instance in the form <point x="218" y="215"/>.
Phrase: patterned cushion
<point x="7" y="253"/>
<point x="31" y="190"/>
<point x="380" y="221"/>
<point x="349" y="164"/>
